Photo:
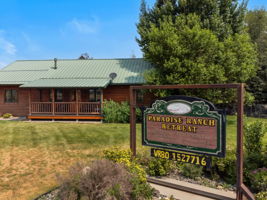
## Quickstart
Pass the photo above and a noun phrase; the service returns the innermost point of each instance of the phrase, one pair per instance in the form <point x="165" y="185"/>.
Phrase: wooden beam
<point x="53" y="101"/>
<point x="133" y="121"/>
<point x="239" y="145"/>
<point x="30" y="102"/>
<point x="101" y="101"/>
<point x="186" y="188"/>
<point x="187" y="86"/>
<point x="77" y="102"/>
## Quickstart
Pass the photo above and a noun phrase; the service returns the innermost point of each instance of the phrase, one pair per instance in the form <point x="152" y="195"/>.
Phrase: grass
<point x="31" y="154"/>
<point x="231" y="129"/>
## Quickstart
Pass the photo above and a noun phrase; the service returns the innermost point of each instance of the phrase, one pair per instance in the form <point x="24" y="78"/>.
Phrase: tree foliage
<point x="85" y="56"/>
<point x="256" y="21"/>
<point x="196" y="42"/>
<point x="223" y="17"/>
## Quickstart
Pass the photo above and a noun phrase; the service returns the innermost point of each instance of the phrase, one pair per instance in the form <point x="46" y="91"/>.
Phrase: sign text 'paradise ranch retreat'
<point x="185" y="124"/>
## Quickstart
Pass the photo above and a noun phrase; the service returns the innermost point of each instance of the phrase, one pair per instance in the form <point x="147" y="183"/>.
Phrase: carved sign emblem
<point x="179" y="108"/>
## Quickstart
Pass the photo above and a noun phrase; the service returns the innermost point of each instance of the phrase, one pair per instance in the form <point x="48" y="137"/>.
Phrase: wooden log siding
<point x="21" y="108"/>
<point x="119" y="93"/>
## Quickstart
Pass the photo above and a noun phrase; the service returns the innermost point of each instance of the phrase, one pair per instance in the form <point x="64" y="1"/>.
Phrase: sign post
<point x="194" y="117"/>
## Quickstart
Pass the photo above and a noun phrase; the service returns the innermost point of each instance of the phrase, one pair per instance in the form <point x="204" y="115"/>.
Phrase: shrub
<point x="102" y="180"/>
<point x="261" y="195"/>
<point x="118" y="112"/>
<point x="258" y="179"/>
<point x="254" y="134"/>
<point x="140" y="190"/>
<point x="7" y="115"/>
<point x="191" y="171"/>
<point x="125" y="157"/>
<point x="226" y="167"/>
<point x="265" y="157"/>
<point x="159" y="167"/>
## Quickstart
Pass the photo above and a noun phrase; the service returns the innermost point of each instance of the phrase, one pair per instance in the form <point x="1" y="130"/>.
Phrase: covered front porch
<point x="66" y="103"/>
<point x="66" y="98"/>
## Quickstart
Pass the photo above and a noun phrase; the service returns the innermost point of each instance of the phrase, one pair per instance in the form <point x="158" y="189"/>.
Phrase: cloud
<point x="7" y="50"/>
<point x="7" y="46"/>
<point x="31" y="45"/>
<point x="2" y="64"/>
<point x="84" y="26"/>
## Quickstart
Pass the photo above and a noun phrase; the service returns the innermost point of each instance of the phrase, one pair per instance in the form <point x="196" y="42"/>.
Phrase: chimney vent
<point x="55" y="63"/>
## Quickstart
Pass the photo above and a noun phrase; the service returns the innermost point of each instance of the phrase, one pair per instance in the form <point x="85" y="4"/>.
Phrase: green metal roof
<point x="20" y="77"/>
<point x="76" y="72"/>
<point x="30" y="65"/>
<point x="68" y="83"/>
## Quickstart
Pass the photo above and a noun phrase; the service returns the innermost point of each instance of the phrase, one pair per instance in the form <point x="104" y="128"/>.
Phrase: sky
<point x="64" y="29"/>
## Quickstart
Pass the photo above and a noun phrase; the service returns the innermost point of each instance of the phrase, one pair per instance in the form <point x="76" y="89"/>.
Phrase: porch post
<point x="30" y="102"/>
<point x="53" y="101"/>
<point x="77" y="102"/>
<point x="101" y="102"/>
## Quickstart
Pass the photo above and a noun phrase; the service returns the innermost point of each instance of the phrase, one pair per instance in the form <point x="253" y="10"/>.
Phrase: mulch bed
<point x="52" y="195"/>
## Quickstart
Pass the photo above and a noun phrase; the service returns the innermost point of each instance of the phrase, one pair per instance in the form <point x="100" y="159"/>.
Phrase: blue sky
<point x="45" y="29"/>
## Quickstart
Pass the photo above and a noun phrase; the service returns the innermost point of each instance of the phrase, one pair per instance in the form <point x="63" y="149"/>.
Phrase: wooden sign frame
<point x="241" y="188"/>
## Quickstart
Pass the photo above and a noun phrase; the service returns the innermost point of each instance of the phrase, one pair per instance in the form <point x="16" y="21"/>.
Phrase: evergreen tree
<point x="256" y="21"/>
<point x="196" y="41"/>
<point x="223" y="17"/>
<point x="85" y="56"/>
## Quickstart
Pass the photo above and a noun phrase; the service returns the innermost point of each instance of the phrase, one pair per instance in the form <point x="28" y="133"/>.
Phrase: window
<point x="11" y="96"/>
<point x="50" y="95"/>
<point x="98" y="95"/>
<point x="139" y="96"/>
<point x="94" y="95"/>
<point x="59" y="95"/>
<point x="40" y="95"/>
<point x="73" y="95"/>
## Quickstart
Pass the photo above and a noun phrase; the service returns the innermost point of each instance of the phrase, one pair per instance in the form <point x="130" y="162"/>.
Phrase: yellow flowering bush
<point x="125" y="157"/>
<point x="261" y="195"/>
<point x="139" y="181"/>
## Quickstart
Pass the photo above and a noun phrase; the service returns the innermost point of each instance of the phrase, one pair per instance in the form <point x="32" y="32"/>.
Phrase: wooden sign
<point x="185" y="124"/>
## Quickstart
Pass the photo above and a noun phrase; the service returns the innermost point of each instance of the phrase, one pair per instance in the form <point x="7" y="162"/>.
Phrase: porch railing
<point x="43" y="107"/>
<point x="89" y="108"/>
<point x="66" y="108"/>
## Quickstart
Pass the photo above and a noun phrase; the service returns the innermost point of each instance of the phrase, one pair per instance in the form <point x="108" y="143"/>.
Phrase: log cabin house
<point x="68" y="89"/>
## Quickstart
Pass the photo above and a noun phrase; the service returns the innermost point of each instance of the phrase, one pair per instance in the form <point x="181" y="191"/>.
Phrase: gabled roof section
<point x="129" y="71"/>
<point x="20" y="77"/>
<point x="29" y="65"/>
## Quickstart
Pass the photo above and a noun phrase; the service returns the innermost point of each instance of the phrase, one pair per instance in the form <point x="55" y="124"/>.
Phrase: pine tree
<point x="223" y="17"/>
<point x="196" y="41"/>
<point x="256" y="21"/>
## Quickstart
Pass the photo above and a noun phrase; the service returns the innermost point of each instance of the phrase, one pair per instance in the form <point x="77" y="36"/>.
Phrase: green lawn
<point x="231" y="129"/>
<point x="32" y="153"/>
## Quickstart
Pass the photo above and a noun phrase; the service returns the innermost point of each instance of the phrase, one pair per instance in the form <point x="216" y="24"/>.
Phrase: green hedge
<point x="118" y="112"/>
